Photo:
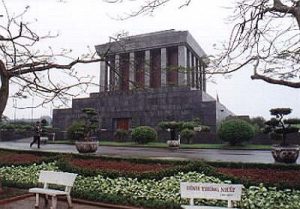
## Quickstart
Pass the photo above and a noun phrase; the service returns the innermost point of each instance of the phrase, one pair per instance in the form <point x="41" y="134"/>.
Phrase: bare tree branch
<point x="267" y="30"/>
<point x="146" y="8"/>
<point x="22" y="64"/>
<point x="274" y="81"/>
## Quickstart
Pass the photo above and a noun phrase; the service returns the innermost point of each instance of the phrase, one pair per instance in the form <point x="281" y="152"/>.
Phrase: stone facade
<point x="145" y="107"/>
<point x="147" y="79"/>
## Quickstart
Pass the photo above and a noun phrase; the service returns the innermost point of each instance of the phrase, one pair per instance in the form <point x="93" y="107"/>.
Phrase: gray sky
<point x="88" y="23"/>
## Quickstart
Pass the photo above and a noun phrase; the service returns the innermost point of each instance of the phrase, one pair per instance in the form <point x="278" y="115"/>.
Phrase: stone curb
<point x="100" y="204"/>
<point x="80" y="201"/>
<point x="16" y="198"/>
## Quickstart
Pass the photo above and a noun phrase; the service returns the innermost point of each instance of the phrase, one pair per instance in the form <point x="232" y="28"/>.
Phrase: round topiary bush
<point x="235" y="131"/>
<point x="143" y="134"/>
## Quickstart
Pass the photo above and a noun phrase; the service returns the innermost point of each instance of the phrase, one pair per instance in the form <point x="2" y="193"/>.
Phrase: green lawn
<point x="184" y="146"/>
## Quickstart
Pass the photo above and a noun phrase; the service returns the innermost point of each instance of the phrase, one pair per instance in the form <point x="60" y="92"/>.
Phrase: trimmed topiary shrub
<point x="189" y="125"/>
<point x="235" y="131"/>
<point x="187" y="135"/>
<point x="278" y="127"/>
<point x="144" y="134"/>
<point x="75" y="131"/>
<point x="121" y="134"/>
<point x="258" y="124"/>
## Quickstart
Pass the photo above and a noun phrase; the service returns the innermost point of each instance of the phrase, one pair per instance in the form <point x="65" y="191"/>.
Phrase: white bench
<point x="229" y="192"/>
<point x="54" y="178"/>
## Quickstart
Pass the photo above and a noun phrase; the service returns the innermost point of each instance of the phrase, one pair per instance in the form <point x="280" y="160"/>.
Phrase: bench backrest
<point x="59" y="178"/>
<point x="229" y="192"/>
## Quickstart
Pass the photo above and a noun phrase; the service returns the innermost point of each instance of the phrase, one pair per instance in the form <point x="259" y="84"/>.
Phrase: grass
<point x="183" y="146"/>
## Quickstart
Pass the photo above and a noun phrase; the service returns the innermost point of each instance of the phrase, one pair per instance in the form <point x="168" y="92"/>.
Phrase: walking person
<point x="36" y="134"/>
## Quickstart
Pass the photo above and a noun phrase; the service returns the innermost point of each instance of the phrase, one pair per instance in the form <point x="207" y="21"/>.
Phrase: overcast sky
<point x="88" y="23"/>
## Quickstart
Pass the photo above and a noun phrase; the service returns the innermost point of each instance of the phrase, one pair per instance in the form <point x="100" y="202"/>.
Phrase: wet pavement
<point x="248" y="156"/>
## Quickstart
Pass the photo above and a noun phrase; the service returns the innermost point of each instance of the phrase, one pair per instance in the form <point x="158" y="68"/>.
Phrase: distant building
<point x="146" y="79"/>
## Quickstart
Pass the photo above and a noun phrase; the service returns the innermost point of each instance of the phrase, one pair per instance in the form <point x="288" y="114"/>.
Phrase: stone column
<point x="106" y="78"/>
<point x="112" y="73"/>
<point x="204" y="79"/>
<point x="188" y="68"/>
<point x="197" y="72"/>
<point x="131" y="71"/>
<point x="193" y="64"/>
<point x="147" y="69"/>
<point x="182" y="65"/>
<point x="200" y="75"/>
<point x="103" y="69"/>
<point x="117" y="72"/>
<point x="163" y="67"/>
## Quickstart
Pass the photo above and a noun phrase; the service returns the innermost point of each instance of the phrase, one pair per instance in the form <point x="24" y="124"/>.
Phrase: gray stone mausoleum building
<point x="146" y="79"/>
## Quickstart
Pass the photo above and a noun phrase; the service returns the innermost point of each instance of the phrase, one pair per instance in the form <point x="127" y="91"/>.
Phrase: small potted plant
<point x="278" y="128"/>
<point x="89" y="124"/>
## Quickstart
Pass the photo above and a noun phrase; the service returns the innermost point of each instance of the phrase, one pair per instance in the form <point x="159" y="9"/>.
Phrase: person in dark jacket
<point x="37" y="130"/>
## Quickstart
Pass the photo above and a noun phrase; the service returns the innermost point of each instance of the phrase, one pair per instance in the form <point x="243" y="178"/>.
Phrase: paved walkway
<point x="28" y="203"/>
<point x="251" y="156"/>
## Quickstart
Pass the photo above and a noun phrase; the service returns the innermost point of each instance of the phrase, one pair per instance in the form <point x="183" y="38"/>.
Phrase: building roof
<point x="148" y="41"/>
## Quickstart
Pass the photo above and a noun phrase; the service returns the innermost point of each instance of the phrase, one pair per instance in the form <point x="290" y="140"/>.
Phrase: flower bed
<point x="24" y="176"/>
<point x="130" y="168"/>
<point x="155" y="184"/>
<point x="151" y="193"/>
<point x="121" y="166"/>
<point x="266" y="176"/>
<point x="13" y="158"/>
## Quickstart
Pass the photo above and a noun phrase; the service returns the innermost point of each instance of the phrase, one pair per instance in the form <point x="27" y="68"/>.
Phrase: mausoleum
<point x="146" y="79"/>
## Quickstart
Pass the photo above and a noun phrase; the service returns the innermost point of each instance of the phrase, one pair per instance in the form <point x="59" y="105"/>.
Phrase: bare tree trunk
<point x="4" y="89"/>
<point x="297" y="14"/>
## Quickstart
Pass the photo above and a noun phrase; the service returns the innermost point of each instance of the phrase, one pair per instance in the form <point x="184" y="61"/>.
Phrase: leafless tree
<point x="146" y="7"/>
<point x="22" y="63"/>
<point x="265" y="35"/>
